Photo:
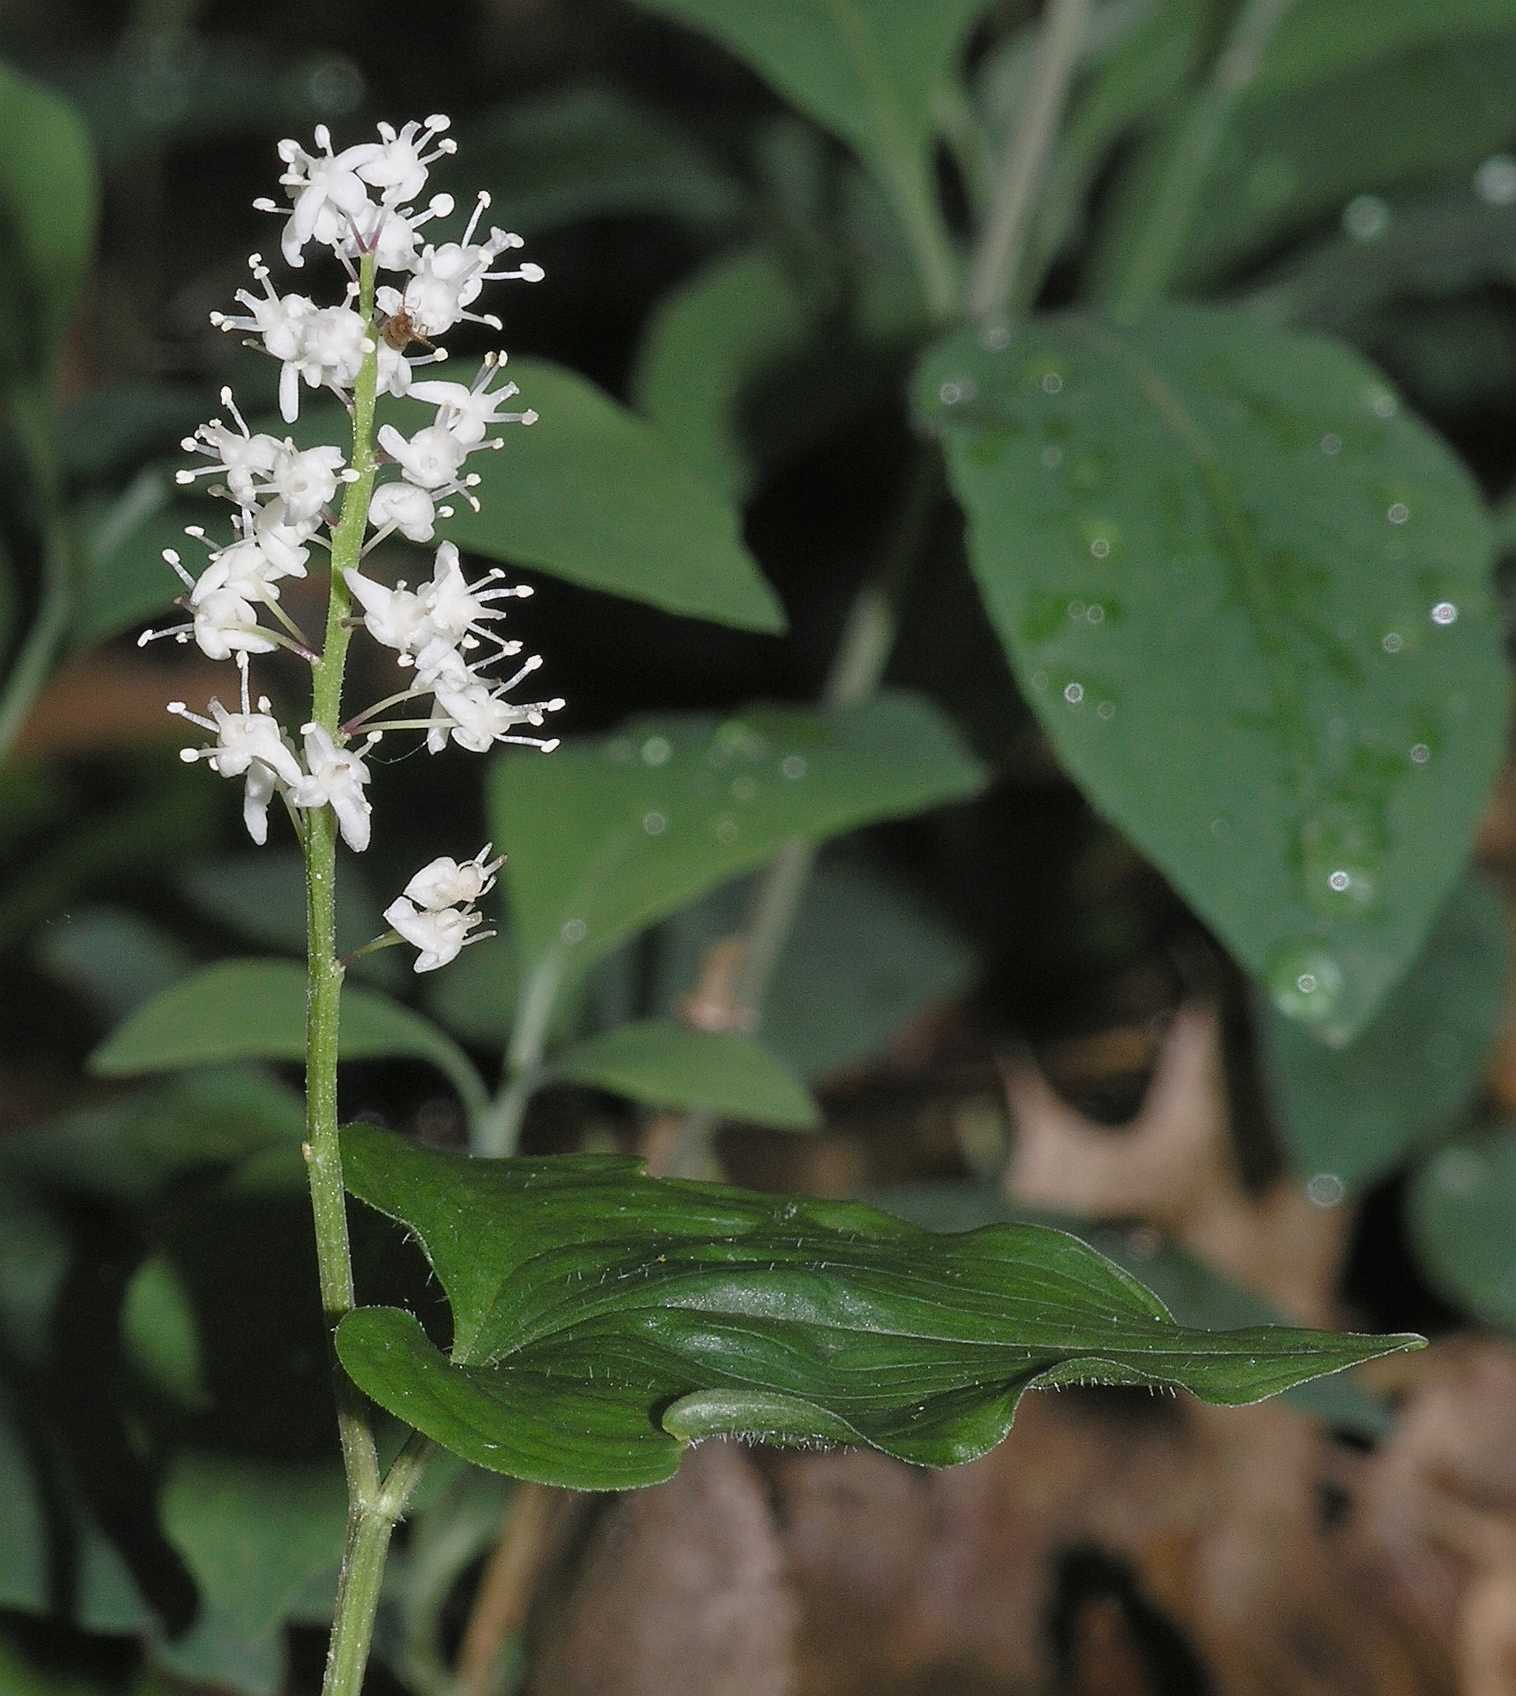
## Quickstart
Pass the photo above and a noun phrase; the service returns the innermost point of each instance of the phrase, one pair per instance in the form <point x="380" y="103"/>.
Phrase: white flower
<point x="466" y="411"/>
<point x="248" y="744"/>
<point x="281" y="537"/>
<point x="326" y="189"/>
<point x="444" y="882"/>
<point x="448" y="278"/>
<point x="277" y="318"/>
<point x="246" y="569"/>
<point x="398" y="165"/>
<point x="440" y="937"/>
<point x="395" y="618"/>
<point x="478" y="716"/>
<point x="305" y="480"/>
<point x="457" y="607"/>
<point x="389" y="233"/>
<point x="332" y="345"/>
<point x="404" y="507"/>
<point x="238" y="453"/>
<point x="430" y="459"/>
<point x="225" y="622"/>
<point x="335" y="778"/>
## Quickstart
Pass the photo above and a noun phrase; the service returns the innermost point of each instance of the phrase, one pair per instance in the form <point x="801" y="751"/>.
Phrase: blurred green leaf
<point x="707" y="342"/>
<point x="1354" y="1112"/>
<point x="1319" y="41"/>
<point x="111" y="957"/>
<point x="664" y="1064"/>
<point x="865" y="956"/>
<point x="49" y="204"/>
<point x="253" y="1532"/>
<point x="1459" y="1208"/>
<point x="125" y="580"/>
<point x="1290" y="157"/>
<point x="255" y="1010"/>
<point x="602" y="1319"/>
<point x="867" y="69"/>
<point x="260" y="894"/>
<point x="594" y="494"/>
<point x="590" y="152"/>
<point x="108" y="430"/>
<point x="210" y="1655"/>
<point x="1428" y="247"/>
<point x="159" y="1336"/>
<point x="608" y="837"/>
<point x="1249" y="599"/>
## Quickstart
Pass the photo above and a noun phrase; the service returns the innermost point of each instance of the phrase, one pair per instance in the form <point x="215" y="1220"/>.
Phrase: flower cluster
<point x="364" y="206"/>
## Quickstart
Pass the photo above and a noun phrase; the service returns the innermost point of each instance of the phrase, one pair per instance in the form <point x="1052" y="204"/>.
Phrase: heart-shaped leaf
<point x="1249" y="599"/>
<point x="603" y="1318"/>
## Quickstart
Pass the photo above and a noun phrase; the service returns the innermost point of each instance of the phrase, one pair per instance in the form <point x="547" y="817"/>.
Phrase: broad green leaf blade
<point x="594" y="494"/>
<point x="1317" y="42"/>
<point x="1355" y="1112"/>
<point x="664" y="1064"/>
<point x="608" y="837"/>
<point x="590" y="1301"/>
<point x="1459" y="1207"/>
<point x="255" y="1010"/>
<point x="253" y="1531"/>
<point x="868" y="70"/>
<point x="708" y="342"/>
<point x="1295" y="152"/>
<point x="1249" y="599"/>
<point x="49" y="203"/>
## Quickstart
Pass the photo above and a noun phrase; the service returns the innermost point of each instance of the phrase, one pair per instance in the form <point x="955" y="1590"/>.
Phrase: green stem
<point x="1155" y="255"/>
<point x="373" y="1505"/>
<point x="498" y="1126"/>
<point x="998" y="254"/>
<point x="931" y="248"/>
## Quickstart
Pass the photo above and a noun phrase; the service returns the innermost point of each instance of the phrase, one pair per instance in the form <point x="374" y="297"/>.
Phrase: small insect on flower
<point x="399" y="331"/>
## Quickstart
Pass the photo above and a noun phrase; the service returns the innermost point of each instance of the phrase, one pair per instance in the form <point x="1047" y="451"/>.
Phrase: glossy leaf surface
<point x="1249" y="599"/>
<point x="601" y="1318"/>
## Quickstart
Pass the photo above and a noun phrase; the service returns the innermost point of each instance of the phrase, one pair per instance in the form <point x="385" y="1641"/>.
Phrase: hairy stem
<point x="373" y="1505"/>
<point x="997" y="256"/>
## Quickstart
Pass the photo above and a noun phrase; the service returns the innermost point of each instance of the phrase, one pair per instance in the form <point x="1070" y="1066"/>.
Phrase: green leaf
<point x="49" y="203"/>
<point x="594" y="494"/>
<point x="1317" y="42"/>
<point x="253" y="1532"/>
<point x="602" y="1318"/>
<point x="662" y="1063"/>
<point x="1459" y="1207"/>
<point x="591" y="153"/>
<point x="609" y="836"/>
<point x="255" y="1010"/>
<point x="125" y="579"/>
<point x="864" y="957"/>
<point x="706" y="345"/>
<point x="1355" y="1112"/>
<point x="1291" y="155"/>
<point x="868" y="70"/>
<point x="1248" y="598"/>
